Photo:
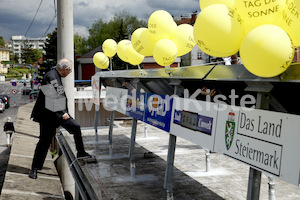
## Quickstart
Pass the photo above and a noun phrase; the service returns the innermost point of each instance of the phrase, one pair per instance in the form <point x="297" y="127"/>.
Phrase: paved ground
<point x="110" y="177"/>
<point x="19" y="99"/>
<point x="17" y="185"/>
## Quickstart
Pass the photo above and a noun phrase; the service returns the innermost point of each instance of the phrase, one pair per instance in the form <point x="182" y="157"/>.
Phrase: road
<point x="16" y="100"/>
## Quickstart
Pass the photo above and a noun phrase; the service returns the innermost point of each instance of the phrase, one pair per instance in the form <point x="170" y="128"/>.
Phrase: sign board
<point x="267" y="141"/>
<point x="194" y="121"/>
<point x="96" y="90"/>
<point x="116" y="99"/>
<point x="158" y="111"/>
<point x="135" y="106"/>
<point x="14" y="91"/>
<point x="10" y="62"/>
<point x="14" y="84"/>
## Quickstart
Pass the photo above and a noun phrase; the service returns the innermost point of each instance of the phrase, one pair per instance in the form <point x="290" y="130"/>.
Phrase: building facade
<point x="4" y="56"/>
<point x="18" y="42"/>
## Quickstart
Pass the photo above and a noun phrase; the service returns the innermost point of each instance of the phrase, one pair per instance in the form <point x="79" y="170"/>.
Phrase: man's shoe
<point x="33" y="174"/>
<point x="83" y="155"/>
<point x="87" y="157"/>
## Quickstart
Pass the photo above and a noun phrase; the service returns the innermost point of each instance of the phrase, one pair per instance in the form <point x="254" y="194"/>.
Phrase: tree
<point x="14" y="57"/>
<point x="80" y="45"/>
<point x="30" y="55"/>
<point x="51" y="49"/>
<point x="2" y="41"/>
<point x="119" y="28"/>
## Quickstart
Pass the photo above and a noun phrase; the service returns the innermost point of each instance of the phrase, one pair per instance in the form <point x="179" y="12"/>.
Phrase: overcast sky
<point x="16" y="15"/>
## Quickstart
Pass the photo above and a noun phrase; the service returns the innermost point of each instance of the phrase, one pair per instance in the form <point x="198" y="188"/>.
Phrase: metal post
<point x="136" y="84"/>
<point x="131" y="149"/>
<point x="271" y="188"/>
<point x="207" y="156"/>
<point x="254" y="184"/>
<point x="263" y="101"/>
<point x="254" y="180"/>
<point x="96" y="121"/>
<point x="145" y="130"/>
<point x="111" y="126"/>
<point x="65" y="46"/>
<point x="168" y="183"/>
<point x="97" y="108"/>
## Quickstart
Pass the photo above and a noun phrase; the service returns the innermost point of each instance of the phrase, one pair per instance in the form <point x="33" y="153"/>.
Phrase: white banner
<point x="116" y="99"/>
<point x="265" y="140"/>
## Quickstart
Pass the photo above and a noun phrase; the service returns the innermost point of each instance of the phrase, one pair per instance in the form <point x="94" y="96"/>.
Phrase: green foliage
<point x="14" y="57"/>
<point x="17" y="72"/>
<point x="80" y="45"/>
<point x="53" y="153"/>
<point x="119" y="28"/>
<point x="2" y="42"/>
<point x="14" y="72"/>
<point x="51" y="53"/>
<point x="51" y="49"/>
<point x="30" y="55"/>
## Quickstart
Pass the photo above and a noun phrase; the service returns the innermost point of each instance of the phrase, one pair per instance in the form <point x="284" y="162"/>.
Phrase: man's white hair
<point x="64" y="64"/>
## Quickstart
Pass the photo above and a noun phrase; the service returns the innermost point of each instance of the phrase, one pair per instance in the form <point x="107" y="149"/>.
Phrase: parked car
<point x="14" y="80"/>
<point x="5" y="99"/>
<point x="26" y="90"/>
<point x="2" y="106"/>
<point x="22" y="80"/>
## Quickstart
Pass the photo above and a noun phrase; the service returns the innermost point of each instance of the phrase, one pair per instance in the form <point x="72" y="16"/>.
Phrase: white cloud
<point x="81" y="30"/>
<point x="19" y="13"/>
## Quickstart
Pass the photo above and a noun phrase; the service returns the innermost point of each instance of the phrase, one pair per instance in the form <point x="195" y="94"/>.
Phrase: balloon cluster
<point x="265" y="32"/>
<point x="163" y="40"/>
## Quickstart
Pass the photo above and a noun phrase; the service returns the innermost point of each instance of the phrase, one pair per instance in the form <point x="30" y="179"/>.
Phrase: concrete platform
<point x="110" y="177"/>
<point x="17" y="184"/>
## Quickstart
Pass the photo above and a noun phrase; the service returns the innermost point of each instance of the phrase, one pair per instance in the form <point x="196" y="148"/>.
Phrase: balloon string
<point x="110" y="63"/>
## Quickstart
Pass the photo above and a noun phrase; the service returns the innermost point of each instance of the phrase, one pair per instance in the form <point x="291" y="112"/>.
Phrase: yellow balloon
<point x="258" y="12"/>
<point x="165" y="52"/>
<point x="161" y="25"/>
<point x="290" y="21"/>
<point x="100" y="60"/>
<point x="267" y="51"/>
<point x="134" y="57"/>
<point x="109" y="47"/>
<point x="184" y="39"/>
<point x="297" y="5"/>
<point x="218" y="31"/>
<point x="205" y="3"/>
<point x="142" y="41"/>
<point x="121" y="49"/>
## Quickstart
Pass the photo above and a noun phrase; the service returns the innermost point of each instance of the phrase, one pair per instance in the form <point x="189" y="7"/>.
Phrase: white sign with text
<point x="194" y="121"/>
<point x="267" y="141"/>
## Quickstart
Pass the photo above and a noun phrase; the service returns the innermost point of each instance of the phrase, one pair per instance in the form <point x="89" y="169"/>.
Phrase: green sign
<point x="7" y="62"/>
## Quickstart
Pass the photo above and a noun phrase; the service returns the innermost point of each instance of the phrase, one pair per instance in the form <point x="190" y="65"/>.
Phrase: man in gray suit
<point x="51" y="118"/>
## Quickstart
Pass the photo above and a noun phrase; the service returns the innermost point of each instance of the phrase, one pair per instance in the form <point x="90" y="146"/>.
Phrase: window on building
<point x="199" y="55"/>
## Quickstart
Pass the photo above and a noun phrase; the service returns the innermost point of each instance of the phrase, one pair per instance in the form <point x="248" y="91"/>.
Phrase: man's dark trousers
<point x="47" y="132"/>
